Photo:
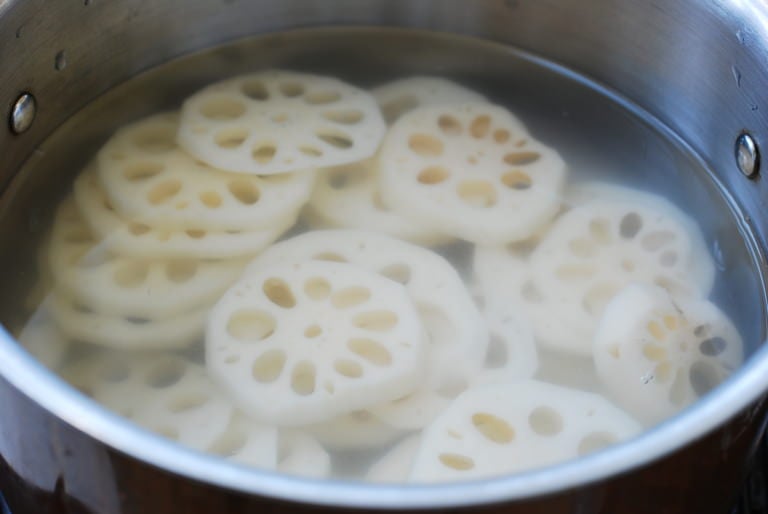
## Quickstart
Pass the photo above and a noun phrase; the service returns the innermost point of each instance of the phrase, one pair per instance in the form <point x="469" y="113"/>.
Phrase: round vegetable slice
<point x="135" y="239"/>
<point x="395" y="465"/>
<point x="472" y="171"/>
<point x="403" y="95"/>
<point x="656" y="354"/>
<point x="275" y="121"/>
<point x="348" y="196"/>
<point x="506" y="428"/>
<point x="162" y="393"/>
<point x="354" y="431"/>
<point x="303" y="343"/>
<point x="130" y="287"/>
<point x="458" y="337"/>
<point x="149" y="180"/>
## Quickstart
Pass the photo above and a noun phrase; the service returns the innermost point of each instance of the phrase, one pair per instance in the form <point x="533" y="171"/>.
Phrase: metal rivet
<point x="23" y="113"/>
<point x="747" y="155"/>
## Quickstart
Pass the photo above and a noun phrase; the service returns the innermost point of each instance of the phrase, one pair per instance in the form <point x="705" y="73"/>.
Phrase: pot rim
<point x="29" y="376"/>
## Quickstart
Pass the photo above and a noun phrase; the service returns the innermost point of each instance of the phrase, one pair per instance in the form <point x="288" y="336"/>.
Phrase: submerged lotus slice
<point x="507" y="428"/>
<point x="596" y="249"/>
<point x="276" y="121"/>
<point x="303" y="343"/>
<point x="348" y="196"/>
<point x="356" y="430"/>
<point x="403" y="95"/>
<point x="457" y="336"/>
<point x="135" y="239"/>
<point x="163" y="393"/>
<point x="656" y="354"/>
<point x="148" y="179"/>
<point x="472" y="171"/>
<point x="131" y="287"/>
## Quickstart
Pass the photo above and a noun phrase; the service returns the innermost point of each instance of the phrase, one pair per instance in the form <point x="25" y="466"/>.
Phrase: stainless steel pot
<point x="701" y="67"/>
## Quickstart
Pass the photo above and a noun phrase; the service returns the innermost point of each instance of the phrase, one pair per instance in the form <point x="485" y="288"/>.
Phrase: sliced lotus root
<point x="247" y="442"/>
<point x="81" y="322"/>
<point x="395" y="466"/>
<point x="512" y="353"/>
<point x="43" y="339"/>
<point x="126" y="286"/>
<point x="657" y="355"/>
<point x="472" y="171"/>
<point x="303" y="343"/>
<point x="276" y="121"/>
<point x="701" y="263"/>
<point x="354" y="431"/>
<point x="401" y="96"/>
<point x="149" y="180"/>
<point x="134" y="239"/>
<point x="301" y="455"/>
<point x="505" y="281"/>
<point x="458" y="337"/>
<point x="507" y="428"/>
<point x="162" y="393"/>
<point x="416" y="410"/>
<point x="348" y="196"/>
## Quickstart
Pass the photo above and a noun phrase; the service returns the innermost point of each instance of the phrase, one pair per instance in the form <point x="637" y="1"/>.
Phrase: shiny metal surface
<point x="747" y="155"/>
<point x="698" y="66"/>
<point x="22" y="113"/>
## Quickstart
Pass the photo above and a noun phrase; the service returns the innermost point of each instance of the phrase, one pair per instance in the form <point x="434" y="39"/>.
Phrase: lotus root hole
<point x="480" y="126"/>
<point x="344" y="117"/>
<point x="131" y="274"/>
<point x="221" y="109"/>
<point x="264" y="154"/>
<point x="477" y="193"/>
<point x="210" y="199"/>
<point x="600" y="230"/>
<point x="348" y="368"/>
<point x="164" y="191"/>
<point x="400" y="273"/>
<point x="335" y="139"/>
<point x="655" y="353"/>
<point x="291" y="89"/>
<point x="322" y="97"/>
<point x="376" y="321"/>
<point x="244" y="191"/>
<point x="156" y="139"/>
<point x="496" y="356"/>
<point x="703" y="377"/>
<point x="164" y="374"/>
<point x="317" y="288"/>
<point x="656" y="331"/>
<point x="517" y="180"/>
<point x="521" y="158"/>
<point x="493" y="428"/>
<point x="329" y="257"/>
<point x="449" y="125"/>
<point x="596" y="441"/>
<point x="232" y="138"/>
<point x="143" y="170"/>
<point x="370" y="350"/>
<point x="545" y="421"/>
<point x="456" y="461"/>
<point x="138" y="229"/>
<point x="188" y="401"/>
<point x="251" y="325"/>
<point x="501" y="135"/>
<point x="180" y="271"/>
<point x="255" y="90"/>
<point x="425" y="145"/>
<point x="303" y="378"/>
<point x="713" y="346"/>
<point x="310" y="151"/>
<point x="268" y="366"/>
<point x="630" y="225"/>
<point x="350" y="297"/>
<point x="433" y="175"/>
<point x="279" y="292"/>
<point x="312" y="331"/>
<point x="598" y="296"/>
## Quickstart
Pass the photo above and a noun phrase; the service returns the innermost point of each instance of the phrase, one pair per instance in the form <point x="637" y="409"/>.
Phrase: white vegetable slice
<point x="134" y="239"/>
<point x="701" y="264"/>
<point x="149" y="180"/>
<point x="303" y="343"/>
<point x="416" y="410"/>
<point x="657" y="355"/>
<point x="403" y="95"/>
<point x="507" y="428"/>
<point x="248" y="442"/>
<point x="301" y="455"/>
<point x="470" y="170"/>
<point x="276" y="121"/>
<point x="395" y="466"/>
<point x="458" y="337"/>
<point x="84" y="323"/>
<point x="348" y="196"/>
<point x="356" y="430"/>
<point x="125" y="286"/>
<point x="162" y="393"/>
<point x="42" y="338"/>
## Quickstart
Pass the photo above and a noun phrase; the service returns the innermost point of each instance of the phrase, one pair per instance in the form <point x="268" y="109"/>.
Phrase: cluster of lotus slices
<point x="270" y="275"/>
